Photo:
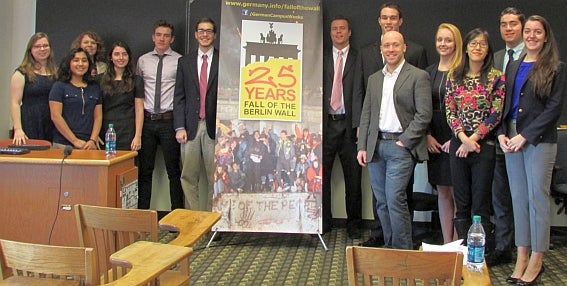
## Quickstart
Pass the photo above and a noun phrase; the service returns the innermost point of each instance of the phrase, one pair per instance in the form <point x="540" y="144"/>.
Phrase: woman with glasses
<point x="448" y="43"/>
<point x="29" y="91"/>
<point x="528" y="137"/>
<point x="475" y="92"/>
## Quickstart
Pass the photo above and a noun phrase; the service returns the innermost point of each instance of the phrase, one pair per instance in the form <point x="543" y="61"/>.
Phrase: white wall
<point x="17" y="24"/>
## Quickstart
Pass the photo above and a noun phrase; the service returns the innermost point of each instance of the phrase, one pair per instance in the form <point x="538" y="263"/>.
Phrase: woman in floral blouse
<point x="475" y="93"/>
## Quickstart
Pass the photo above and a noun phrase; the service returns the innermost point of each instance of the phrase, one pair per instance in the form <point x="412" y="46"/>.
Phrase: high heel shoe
<point x="512" y="280"/>
<point x="533" y="282"/>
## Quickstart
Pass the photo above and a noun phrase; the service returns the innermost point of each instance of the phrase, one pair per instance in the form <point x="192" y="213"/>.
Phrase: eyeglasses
<point x="44" y="46"/>
<point x="205" y="31"/>
<point x="483" y="45"/>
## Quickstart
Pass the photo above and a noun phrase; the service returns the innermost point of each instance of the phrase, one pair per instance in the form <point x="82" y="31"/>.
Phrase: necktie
<point x="510" y="58"/>
<point x="337" y="91"/>
<point x="203" y="86"/>
<point x="157" y="94"/>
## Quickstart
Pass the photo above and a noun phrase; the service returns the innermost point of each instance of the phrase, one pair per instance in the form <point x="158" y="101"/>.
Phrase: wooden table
<point x="147" y="261"/>
<point x="39" y="189"/>
<point x="474" y="278"/>
<point x="191" y="225"/>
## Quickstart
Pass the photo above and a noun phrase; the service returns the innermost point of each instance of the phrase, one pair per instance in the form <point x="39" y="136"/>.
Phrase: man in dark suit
<point x="339" y="137"/>
<point x="393" y="127"/>
<point x="511" y="26"/>
<point x="194" y="112"/>
<point x="369" y="61"/>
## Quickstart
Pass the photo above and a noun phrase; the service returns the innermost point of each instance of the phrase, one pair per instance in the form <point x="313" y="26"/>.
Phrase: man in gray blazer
<point x="511" y="26"/>
<point x="392" y="137"/>
<point x="369" y="61"/>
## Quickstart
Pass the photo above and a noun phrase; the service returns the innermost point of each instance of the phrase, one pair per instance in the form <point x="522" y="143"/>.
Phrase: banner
<point x="268" y="165"/>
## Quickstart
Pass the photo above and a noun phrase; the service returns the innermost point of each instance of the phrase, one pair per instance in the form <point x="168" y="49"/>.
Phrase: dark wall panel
<point x="421" y="18"/>
<point x="126" y="20"/>
<point x="132" y="20"/>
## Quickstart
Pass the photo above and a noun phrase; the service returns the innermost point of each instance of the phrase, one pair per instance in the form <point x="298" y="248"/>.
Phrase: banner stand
<point x="318" y="234"/>
<point x="268" y="154"/>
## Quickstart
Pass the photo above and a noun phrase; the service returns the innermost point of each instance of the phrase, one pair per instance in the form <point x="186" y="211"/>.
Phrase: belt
<point x="158" y="116"/>
<point x="389" y="136"/>
<point x="336" y="117"/>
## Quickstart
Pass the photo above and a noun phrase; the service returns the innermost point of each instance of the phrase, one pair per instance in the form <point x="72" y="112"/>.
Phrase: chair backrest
<point x="49" y="262"/>
<point x="108" y="230"/>
<point x="377" y="265"/>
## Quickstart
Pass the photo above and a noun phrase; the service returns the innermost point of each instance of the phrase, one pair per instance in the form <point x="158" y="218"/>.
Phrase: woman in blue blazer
<point x="528" y="136"/>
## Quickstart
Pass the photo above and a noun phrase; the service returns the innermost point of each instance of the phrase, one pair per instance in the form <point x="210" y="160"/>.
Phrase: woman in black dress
<point x="29" y="91"/>
<point x="123" y="99"/>
<point x="448" y="43"/>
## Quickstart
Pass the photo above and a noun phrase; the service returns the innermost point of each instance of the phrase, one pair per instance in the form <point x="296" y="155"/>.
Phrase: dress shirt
<point x="341" y="110"/>
<point x="147" y="69"/>
<point x="517" y="52"/>
<point x="389" y="121"/>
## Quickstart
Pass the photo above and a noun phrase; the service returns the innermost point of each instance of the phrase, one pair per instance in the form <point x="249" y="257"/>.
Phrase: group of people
<point x="484" y="121"/>
<point x="165" y="99"/>
<point x="263" y="161"/>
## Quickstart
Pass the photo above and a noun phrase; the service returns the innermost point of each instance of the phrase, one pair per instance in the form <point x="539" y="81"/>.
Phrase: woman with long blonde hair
<point x="29" y="91"/>
<point x="448" y="43"/>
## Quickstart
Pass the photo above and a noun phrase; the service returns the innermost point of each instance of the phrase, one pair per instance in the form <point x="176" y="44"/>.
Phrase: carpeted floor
<point x="299" y="259"/>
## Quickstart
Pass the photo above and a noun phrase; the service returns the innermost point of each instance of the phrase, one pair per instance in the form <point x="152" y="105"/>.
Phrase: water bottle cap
<point x="110" y="125"/>
<point x="476" y="218"/>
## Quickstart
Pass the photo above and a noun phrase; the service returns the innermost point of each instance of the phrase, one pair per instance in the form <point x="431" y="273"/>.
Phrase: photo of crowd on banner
<point x="271" y="159"/>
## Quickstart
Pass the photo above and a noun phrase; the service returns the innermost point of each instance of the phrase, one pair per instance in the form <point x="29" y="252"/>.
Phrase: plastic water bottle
<point x="475" y="242"/>
<point x="110" y="141"/>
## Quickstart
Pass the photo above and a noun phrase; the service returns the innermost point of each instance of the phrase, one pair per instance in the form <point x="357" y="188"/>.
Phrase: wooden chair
<point x="108" y="230"/>
<point x="38" y="264"/>
<point x="191" y="225"/>
<point x="379" y="265"/>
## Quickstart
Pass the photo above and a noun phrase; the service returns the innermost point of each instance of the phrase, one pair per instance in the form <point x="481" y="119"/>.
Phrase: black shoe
<point x="512" y="280"/>
<point x="353" y="233"/>
<point x="373" y="242"/>
<point x="498" y="257"/>
<point x="533" y="282"/>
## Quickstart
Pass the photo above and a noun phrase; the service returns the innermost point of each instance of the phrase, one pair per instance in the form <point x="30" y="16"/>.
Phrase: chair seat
<point x="424" y="201"/>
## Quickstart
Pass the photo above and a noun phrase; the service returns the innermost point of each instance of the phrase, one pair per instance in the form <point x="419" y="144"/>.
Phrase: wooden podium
<point x="38" y="191"/>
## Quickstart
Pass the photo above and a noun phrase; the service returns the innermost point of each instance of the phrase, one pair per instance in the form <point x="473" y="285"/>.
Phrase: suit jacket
<point x="370" y="61"/>
<point x="348" y="84"/>
<point x="537" y="117"/>
<point x="412" y="99"/>
<point x="499" y="58"/>
<point x="186" y="100"/>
